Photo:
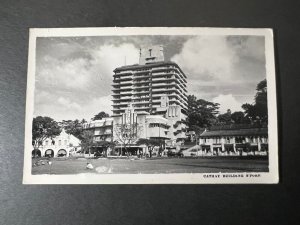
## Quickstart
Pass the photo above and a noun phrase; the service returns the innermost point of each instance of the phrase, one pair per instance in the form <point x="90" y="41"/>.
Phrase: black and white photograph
<point x="151" y="105"/>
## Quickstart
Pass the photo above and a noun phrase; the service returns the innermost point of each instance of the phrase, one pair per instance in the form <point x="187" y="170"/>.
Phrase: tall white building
<point x="151" y="98"/>
<point x="147" y="84"/>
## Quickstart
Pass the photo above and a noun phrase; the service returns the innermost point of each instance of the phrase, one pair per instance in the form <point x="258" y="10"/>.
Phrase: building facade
<point x="147" y="84"/>
<point x="102" y="129"/>
<point x="149" y="102"/>
<point x="234" y="140"/>
<point x="127" y="128"/>
<point x="61" y="146"/>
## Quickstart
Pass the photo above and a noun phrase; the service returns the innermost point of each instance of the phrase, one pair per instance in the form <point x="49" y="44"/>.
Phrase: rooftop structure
<point x="151" y="54"/>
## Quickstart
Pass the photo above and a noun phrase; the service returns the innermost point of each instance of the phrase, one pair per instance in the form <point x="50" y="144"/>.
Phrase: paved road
<point x="166" y="165"/>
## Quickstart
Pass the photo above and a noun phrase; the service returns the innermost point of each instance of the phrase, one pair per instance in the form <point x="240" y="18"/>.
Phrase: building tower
<point x="149" y="85"/>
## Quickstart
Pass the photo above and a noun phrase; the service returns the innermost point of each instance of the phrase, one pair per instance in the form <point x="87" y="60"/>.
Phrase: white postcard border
<point x="177" y="178"/>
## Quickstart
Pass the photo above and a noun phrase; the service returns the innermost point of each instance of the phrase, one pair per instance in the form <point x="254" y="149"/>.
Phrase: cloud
<point x="222" y="65"/>
<point x="227" y="102"/>
<point x="248" y="46"/>
<point x="67" y="103"/>
<point x="71" y="66"/>
<point x="74" y="81"/>
<point x="74" y="74"/>
<point x="107" y="58"/>
<point x="64" y="108"/>
<point x="97" y="105"/>
<point x="64" y="74"/>
<point x="207" y="58"/>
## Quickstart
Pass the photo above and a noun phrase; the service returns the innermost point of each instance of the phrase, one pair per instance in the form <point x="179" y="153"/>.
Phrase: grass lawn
<point x="159" y="165"/>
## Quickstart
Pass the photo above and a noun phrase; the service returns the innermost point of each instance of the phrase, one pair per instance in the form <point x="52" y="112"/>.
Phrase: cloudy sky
<point x="74" y="74"/>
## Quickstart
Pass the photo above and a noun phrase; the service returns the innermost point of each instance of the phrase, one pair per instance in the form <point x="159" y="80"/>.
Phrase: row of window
<point x="102" y="131"/>
<point x="53" y="142"/>
<point x="239" y="140"/>
<point x="158" y="125"/>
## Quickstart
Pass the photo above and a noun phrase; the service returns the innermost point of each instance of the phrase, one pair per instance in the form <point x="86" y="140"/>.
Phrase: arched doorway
<point x="62" y="153"/>
<point x="36" y="153"/>
<point x="49" y="153"/>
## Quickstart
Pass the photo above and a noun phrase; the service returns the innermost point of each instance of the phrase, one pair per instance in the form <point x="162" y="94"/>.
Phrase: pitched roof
<point x="263" y="131"/>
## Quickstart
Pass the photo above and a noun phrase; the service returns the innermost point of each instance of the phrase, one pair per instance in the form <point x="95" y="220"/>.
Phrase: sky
<point x="74" y="74"/>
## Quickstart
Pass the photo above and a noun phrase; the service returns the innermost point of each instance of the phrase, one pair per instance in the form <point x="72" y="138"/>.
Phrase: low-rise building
<point x="60" y="146"/>
<point x="102" y="129"/>
<point x="128" y="127"/>
<point x="234" y="140"/>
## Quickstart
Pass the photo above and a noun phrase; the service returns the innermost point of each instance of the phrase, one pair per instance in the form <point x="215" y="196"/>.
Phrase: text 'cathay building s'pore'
<point x="149" y="101"/>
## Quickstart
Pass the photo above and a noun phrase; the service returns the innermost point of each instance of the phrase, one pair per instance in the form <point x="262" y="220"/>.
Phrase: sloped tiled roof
<point x="236" y="132"/>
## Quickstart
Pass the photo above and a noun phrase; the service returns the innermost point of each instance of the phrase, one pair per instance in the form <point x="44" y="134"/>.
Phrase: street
<point x="158" y="165"/>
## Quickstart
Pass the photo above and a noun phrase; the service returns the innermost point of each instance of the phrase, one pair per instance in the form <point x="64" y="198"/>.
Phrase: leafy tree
<point x="225" y="119"/>
<point x="87" y="141"/>
<point x="126" y="134"/>
<point x="74" y="127"/>
<point x="239" y="118"/>
<point x="258" y="112"/>
<point x="150" y="143"/>
<point x="197" y="129"/>
<point x="106" y="145"/>
<point x="200" y="112"/>
<point x="100" y="116"/>
<point x="261" y="101"/>
<point x="250" y="111"/>
<point x="43" y="128"/>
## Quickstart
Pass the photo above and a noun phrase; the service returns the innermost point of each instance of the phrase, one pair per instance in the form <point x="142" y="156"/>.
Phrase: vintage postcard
<point x="151" y="106"/>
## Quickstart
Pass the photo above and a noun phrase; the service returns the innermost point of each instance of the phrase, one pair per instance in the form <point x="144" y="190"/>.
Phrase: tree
<point x="239" y="118"/>
<point x="225" y="119"/>
<point x="200" y="112"/>
<point x="150" y="143"/>
<point x="258" y="112"/>
<point x="126" y="134"/>
<point x="43" y="128"/>
<point x="100" y="116"/>
<point x="105" y="145"/>
<point x="87" y="141"/>
<point x="261" y="101"/>
<point x="74" y="127"/>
